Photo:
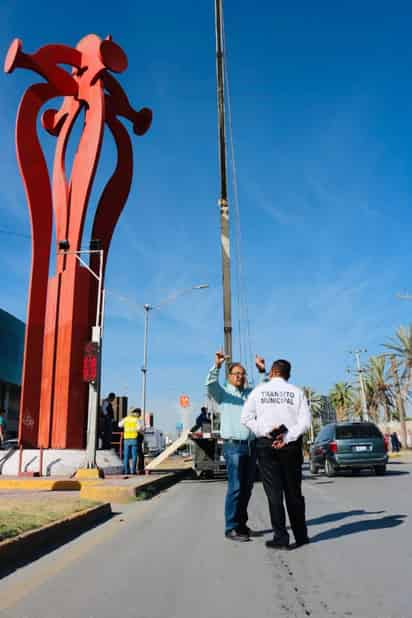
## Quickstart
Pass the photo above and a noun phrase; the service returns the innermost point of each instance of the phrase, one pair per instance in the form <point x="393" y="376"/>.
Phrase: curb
<point x="121" y="495"/>
<point x="42" y="484"/>
<point x="29" y="545"/>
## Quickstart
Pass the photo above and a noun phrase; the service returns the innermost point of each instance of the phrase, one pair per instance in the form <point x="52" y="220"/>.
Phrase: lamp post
<point x="97" y="330"/>
<point x="147" y="308"/>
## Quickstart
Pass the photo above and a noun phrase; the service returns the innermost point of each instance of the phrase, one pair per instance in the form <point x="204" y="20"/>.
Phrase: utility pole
<point x="146" y="308"/>
<point x="401" y="402"/>
<point x="359" y="371"/>
<point x="223" y="200"/>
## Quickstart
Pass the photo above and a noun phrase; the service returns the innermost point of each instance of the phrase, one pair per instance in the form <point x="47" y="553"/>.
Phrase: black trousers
<point x="107" y="432"/>
<point x="140" y="453"/>
<point x="281" y="473"/>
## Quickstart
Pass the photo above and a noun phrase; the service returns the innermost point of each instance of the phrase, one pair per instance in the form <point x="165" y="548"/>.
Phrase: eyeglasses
<point x="242" y="375"/>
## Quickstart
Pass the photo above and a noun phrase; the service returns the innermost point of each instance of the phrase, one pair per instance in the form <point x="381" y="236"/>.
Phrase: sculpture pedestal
<point x="58" y="462"/>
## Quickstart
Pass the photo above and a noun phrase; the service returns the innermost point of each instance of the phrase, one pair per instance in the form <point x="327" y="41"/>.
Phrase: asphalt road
<point x="167" y="558"/>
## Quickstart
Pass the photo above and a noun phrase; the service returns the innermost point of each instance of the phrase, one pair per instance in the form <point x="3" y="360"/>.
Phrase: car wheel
<point x="380" y="470"/>
<point x="313" y="468"/>
<point x="329" y="468"/>
<point x="355" y="471"/>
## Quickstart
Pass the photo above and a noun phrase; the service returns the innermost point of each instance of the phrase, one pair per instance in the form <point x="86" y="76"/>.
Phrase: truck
<point x="154" y="441"/>
<point x="207" y="446"/>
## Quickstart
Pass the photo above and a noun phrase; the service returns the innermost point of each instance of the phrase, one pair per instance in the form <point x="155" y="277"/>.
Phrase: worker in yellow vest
<point x="131" y="425"/>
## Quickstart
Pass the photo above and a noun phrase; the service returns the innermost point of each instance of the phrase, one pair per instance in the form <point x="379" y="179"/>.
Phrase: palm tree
<point x="341" y="398"/>
<point x="401" y="347"/>
<point x="315" y="402"/>
<point x="314" y="399"/>
<point x="379" y="392"/>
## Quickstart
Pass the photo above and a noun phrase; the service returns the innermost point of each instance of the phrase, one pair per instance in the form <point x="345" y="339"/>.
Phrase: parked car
<point x="354" y="446"/>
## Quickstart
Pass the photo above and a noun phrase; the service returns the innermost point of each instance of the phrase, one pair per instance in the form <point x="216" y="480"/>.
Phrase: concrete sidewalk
<point x="119" y="488"/>
<point x="404" y="456"/>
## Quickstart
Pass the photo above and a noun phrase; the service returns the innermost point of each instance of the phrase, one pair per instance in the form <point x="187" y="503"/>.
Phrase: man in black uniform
<point x="107" y="420"/>
<point x="278" y="414"/>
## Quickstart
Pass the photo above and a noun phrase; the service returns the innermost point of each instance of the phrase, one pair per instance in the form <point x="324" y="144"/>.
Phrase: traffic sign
<point x="184" y="401"/>
<point x="90" y="361"/>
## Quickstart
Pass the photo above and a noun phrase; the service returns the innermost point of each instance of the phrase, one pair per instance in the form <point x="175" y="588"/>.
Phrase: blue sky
<point x="322" y="116"/>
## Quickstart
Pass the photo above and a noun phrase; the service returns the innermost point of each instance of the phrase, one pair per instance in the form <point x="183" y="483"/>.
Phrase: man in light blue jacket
<point x="239" y="443"/>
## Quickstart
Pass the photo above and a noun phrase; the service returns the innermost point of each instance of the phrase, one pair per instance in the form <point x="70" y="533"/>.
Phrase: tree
<point x="341" y="398"/>
<point x="314" y="399"/>
<point x="379" y="391"/>
<point x="401" y="347"/>
<point x="315" y="402"/>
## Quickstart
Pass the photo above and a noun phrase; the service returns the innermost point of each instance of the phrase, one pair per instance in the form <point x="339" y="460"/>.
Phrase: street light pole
<point x="96" y="337"/>
<point x="147" y="308"/>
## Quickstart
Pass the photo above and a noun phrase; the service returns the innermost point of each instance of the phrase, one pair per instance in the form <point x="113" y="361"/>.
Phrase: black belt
<point x="233" y="441"/>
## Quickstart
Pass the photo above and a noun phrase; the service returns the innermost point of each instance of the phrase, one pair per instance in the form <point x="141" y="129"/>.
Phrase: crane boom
<point x="223" y="199"/>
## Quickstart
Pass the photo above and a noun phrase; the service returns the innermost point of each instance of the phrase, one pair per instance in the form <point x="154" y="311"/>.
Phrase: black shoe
<point x="233" y="535"/>
<point x="300" y="543"/>
<point x="275" y="544"/>
<point x="246" y="531"/>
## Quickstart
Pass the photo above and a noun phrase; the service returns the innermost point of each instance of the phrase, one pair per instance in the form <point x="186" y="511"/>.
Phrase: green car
<point x="354" y="446"/>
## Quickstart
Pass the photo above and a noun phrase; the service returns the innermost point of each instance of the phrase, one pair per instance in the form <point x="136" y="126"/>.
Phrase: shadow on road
<point x="390" y="521"/>
<point x="65" y="536"/>
<point x="331" y="517"/>
<point x="204" y="481"/>
<point x="349" y="474"/>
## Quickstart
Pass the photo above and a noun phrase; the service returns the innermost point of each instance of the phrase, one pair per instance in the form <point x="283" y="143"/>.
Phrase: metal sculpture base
<point x="57" y="462"/>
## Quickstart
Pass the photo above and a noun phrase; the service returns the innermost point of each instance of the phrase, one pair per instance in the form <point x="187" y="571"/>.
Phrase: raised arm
<point x="260" y="366"/>
<point x="214" y="389"/>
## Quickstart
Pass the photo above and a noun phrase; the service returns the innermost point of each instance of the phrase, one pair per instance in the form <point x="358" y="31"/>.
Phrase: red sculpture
<point x="62" y="309"/>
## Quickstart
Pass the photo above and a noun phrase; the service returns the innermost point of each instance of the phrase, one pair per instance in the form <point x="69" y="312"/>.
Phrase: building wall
<point x="11" y="364"/>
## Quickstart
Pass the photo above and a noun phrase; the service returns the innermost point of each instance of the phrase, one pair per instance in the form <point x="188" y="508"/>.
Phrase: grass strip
<point x="18" y="518"/>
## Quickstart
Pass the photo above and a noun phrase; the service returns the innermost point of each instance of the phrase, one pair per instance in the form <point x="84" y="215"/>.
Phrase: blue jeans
<point x="129" y="445"/>
<point x="241" y="469"/>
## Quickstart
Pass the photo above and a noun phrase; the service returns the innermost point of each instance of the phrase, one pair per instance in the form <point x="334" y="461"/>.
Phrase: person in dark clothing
<point x="204" y="417"/>
<point x="107" y="420"/>
<point x="278" y="414"/>
<point x="395" y="442"/>
<point x="140" y="443"/>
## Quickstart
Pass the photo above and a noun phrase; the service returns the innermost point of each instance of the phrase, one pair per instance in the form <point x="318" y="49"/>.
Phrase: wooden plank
<point x="172" y="448"/>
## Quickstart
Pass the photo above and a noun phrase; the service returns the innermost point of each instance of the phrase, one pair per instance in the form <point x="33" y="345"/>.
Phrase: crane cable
<point x="244" y="334"/>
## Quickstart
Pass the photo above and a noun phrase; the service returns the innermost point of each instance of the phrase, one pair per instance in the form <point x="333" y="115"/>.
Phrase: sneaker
<point x="275" y="544"/>
<point x="233" y="535"/>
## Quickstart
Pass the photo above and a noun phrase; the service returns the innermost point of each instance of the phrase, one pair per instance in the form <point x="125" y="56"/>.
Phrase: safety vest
<point x="131" y="427"/>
